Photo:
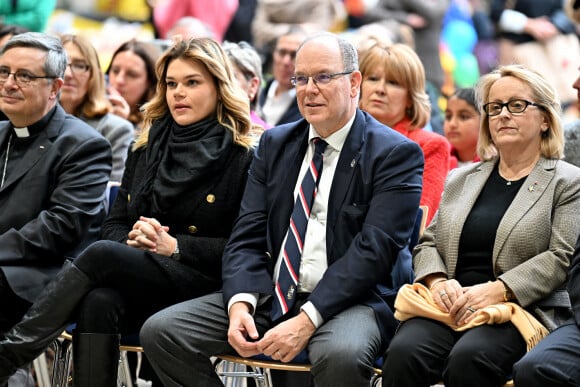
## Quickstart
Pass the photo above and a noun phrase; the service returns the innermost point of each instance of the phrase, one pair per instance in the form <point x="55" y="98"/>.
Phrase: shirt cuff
<point x="312" y="314"/>
<point x="250" y="298"/>
<point x="512" y="21"/>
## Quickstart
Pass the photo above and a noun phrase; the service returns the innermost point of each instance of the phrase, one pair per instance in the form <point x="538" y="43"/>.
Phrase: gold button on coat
<point x="210" y="198"/>
<point x="192" y="229"/>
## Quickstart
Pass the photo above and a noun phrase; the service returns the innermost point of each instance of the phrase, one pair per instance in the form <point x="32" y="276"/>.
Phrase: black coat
<point x="52" y="201"/>
<point x="205" y="224"/>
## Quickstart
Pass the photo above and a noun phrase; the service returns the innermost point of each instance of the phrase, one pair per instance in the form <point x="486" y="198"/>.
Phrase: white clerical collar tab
<point x="22" y="132"/>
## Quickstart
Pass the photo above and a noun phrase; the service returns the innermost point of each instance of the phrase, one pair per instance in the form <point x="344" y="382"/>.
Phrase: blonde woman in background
<point x="83" y="95"/>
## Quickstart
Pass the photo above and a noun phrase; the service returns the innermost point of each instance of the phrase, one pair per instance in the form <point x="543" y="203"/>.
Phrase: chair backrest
<point x="111" y="194"/>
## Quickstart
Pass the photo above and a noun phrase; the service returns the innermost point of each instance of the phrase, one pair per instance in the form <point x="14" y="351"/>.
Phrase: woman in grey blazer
<point x="505" y="231"/>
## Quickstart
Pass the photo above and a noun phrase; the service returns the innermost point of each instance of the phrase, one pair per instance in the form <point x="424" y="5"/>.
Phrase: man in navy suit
<point x="555" y="361"/>
<point x="362" y="217"/>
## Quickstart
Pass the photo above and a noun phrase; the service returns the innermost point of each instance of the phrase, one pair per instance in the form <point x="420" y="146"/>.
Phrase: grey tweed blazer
<point x="535" y="238"/>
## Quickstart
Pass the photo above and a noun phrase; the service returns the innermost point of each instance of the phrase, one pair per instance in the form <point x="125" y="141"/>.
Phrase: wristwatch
<point x="507" y="293"/>
<point x="176" y="253"/>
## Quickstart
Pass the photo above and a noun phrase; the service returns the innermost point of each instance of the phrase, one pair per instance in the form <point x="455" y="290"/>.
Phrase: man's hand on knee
<point x="242" y="331"/>
<point x="287" y="339"/>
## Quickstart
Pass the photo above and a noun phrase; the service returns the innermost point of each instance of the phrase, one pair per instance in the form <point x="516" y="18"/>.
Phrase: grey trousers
<point x="180" y="340"/>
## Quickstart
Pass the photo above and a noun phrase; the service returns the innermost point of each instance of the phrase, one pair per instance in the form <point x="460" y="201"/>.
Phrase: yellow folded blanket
<point x="415" y="301"/>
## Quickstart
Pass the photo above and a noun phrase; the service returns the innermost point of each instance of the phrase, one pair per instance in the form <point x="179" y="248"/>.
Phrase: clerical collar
<point x="21" y="132"/>
<point x="34" y="129"/>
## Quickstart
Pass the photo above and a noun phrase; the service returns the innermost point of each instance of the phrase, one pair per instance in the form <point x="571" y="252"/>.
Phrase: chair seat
<point x="268" y="364"/>
<point x="129" y="342"/>
<point x="260" y="363"/>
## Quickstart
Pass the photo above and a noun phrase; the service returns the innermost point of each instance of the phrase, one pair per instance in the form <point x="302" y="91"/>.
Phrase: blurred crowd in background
<point x="457" y="40"/>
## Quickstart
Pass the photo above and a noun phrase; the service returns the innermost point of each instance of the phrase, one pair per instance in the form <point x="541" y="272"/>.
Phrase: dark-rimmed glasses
<point x="513" y="106"/>
<point x="78" y="67"/>
<point x="21" y="77"/>
<point x="319" y="79"/>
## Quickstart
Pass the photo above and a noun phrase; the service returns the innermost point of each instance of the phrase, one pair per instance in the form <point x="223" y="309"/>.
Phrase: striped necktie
<point x="287" y="283"/>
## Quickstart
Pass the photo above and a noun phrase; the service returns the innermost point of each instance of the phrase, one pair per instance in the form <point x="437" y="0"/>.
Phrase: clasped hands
<point x="148" y="234"/>
<point x="282" y="342"/>
<point x="462" y="303"/>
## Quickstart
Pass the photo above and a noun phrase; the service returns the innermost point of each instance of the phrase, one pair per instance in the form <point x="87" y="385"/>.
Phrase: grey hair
<point x="247" y="59"/>
<point x="348" y="51"/>
<point x="56" y="59"/>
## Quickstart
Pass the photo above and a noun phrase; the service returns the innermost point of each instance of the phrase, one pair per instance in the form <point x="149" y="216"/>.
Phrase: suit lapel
<point x="530" y="192"/>
<point x="38" y="147"/>
<point x="345" y="168"/>
<point x="34" y="152"/>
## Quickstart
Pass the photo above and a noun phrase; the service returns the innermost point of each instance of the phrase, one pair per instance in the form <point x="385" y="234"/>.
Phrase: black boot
<point x="44" y="321"/>
<point x="95" y="359"/>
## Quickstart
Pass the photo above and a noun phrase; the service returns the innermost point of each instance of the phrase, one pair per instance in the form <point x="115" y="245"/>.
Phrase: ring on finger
<point x="442" y="293"/>
<point x="471" y="309"/>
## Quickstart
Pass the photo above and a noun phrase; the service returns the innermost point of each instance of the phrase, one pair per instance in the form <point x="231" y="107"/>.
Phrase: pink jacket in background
<point x="217" y="14"/>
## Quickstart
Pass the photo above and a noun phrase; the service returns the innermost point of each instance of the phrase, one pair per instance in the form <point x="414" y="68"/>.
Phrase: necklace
<point x="6" y="160"/>
<point x="516" y="177"/>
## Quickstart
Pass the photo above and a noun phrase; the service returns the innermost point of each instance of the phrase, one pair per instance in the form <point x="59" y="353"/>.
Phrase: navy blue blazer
<point x="371" y="211"/>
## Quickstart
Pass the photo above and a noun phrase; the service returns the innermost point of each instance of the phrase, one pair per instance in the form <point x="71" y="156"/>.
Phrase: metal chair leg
<point x="232" y="372"/>
<point x="124" y="378"/>
<point x="41" y="371"/>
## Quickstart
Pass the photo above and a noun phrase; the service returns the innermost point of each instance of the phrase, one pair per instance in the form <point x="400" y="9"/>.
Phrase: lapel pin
<point x="532" y="187"/>
<point x="352" y="163"/>
<point x="42" y="147"/>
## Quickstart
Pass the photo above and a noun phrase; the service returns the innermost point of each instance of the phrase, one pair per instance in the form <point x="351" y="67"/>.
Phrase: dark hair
<point x="149" y="54"/>
<point x="467" y="94"/>
<point x="11" y="29"/>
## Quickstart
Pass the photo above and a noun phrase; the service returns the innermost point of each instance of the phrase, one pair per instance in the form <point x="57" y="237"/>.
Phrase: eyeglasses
<point x="21" y="77"/>
<point x="319" y="79"/>
<point x="78" y="67"/>
<point x="281" y="52"/>
<point x="513" y="106"/>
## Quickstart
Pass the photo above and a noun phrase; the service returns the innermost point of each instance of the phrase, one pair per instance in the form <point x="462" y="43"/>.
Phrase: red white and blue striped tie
<point x="287" y="283"/>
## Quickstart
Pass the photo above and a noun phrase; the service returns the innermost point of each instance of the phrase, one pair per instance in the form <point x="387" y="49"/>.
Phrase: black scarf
<point x="180" y="159"/>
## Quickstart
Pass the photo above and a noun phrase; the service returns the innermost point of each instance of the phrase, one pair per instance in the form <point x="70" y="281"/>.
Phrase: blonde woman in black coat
<point x="164" y="239"/>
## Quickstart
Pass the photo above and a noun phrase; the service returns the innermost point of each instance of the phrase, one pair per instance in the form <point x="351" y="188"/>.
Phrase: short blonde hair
<point x="544" y="94"/>
<point x="400" y="62"/>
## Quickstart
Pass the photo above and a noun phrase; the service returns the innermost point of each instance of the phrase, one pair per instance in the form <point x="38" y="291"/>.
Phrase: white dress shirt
<point x="276" y="105"/>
